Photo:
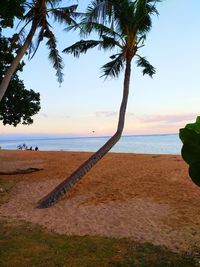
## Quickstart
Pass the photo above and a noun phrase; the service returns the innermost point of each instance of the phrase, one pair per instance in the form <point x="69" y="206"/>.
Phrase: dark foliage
<point x="9" y="10"/>
<point x="18" y="104"/>
<point x="190" y="136"/>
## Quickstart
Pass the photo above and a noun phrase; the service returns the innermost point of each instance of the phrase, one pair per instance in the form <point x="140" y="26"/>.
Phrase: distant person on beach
<point x="36" y="148"/>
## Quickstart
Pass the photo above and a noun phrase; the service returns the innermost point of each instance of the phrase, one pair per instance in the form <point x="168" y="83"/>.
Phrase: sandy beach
<point x="143" y="197"/>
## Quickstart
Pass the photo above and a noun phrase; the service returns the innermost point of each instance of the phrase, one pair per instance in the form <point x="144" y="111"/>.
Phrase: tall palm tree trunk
<point x="8" y="75"/>
<point x="65" y="186"/>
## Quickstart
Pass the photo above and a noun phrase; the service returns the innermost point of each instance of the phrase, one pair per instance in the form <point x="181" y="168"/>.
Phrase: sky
<point x="87" y="105"/>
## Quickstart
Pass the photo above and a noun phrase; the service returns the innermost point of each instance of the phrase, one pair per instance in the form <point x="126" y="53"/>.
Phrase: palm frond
<point x="21" y="36"/>
<point x="53" y="2"/>
<point x="29" y="15"/>
<point x="120" y="20"/>
<point x="81" y="47"/>
<point x="147" y="67"/>
<point x="65" y="14"/>
<point x="107" y="12"/>
<point x="154" y="2"/>
<point x="73" y="27"/>
<point x="100" y="11"/>
<point x="22" y="29"/>
<point x="144" y="9"/>
<point x="114" y="67"/>
<point x="27" y="5"/>
<point x="40" y="37"/>
<point x="141" y="39"/>
<point x="100" y="29"/>
<point x="109" y="43"/>
<point x="54" y="54"/>
<point x="31" y="50"/>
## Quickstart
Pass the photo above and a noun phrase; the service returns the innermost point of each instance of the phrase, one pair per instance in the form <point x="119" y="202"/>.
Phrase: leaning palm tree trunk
<point x="65" y="186"/>
<point x="8" y="75"/>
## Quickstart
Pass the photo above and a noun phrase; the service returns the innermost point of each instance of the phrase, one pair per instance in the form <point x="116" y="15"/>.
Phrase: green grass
<point x="26" y="245"/>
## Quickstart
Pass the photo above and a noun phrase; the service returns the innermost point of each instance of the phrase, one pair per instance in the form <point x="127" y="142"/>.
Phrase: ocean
<point x="145" y="144"/>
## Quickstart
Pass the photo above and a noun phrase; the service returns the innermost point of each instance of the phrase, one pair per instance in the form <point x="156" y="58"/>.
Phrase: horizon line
<point x="76" y="137"/>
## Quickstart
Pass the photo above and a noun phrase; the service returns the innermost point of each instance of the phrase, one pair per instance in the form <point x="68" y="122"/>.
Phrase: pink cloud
<point x="105" y="114"/>
<point x="167" y="118"/>
<point x="111" y="114"/>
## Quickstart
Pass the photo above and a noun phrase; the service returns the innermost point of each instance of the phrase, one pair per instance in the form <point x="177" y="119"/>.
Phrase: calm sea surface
<point x="148" y="144"/>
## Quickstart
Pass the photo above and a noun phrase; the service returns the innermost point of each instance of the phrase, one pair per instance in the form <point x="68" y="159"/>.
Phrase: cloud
<point x="54" y="116"/>
<point x="45" y="115"/>
<point x="105" y="114"/>
<point x="111" y="114"/>
<point x="167" y="118"/>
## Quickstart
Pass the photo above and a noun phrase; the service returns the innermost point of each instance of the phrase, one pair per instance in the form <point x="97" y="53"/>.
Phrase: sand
<point x="148" y="198"/>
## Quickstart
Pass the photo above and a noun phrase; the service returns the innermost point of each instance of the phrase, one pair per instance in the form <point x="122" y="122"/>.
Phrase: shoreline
<point x="148" y="198"/>
<point x="89" y="152"/>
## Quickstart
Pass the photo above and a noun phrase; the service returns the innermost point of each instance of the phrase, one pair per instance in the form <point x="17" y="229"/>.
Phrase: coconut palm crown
<point x="37" y="19"/>
<point x="40" y="12"/>
<point x="121" y="24"/>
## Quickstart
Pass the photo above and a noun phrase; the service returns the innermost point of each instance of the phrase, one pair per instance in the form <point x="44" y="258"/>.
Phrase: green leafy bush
<point x="190" y="136"/>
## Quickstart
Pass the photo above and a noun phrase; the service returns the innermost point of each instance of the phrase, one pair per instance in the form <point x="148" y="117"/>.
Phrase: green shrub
<point x="190" y="136"/>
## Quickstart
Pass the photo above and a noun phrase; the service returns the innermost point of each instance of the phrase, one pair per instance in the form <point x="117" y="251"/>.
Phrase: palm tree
<point x="121" y="24"/>
<point x="37" y="17"/>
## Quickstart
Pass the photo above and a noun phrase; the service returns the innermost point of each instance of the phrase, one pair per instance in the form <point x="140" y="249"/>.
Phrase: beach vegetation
<point x="18" y="104"/>
<point x="190" y="136"/>
<point x="10" y="9"/>
<point x="120" y="26"/>
<point x="37" y="18"/>
<point x="24" y="244"/>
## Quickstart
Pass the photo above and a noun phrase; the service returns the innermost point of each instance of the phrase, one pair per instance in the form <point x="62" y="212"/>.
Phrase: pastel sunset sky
<point x="85" y="103"/>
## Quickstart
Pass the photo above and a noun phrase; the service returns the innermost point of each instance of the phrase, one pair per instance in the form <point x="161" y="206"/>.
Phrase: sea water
<point x="147" y="144"/>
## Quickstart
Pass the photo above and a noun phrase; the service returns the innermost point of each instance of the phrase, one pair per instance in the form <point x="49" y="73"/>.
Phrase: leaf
<point x="194" y="172"/>
<point x="81" y="47"/>
<point x="147" y="67"/>
<point x="65" y="14"/>
<point x="108" y="42"/>
<point x="190" y="136"/>
<point x="99" y="11"/>
<point x="114" y="67"/>
<point x="194" y="126"/>
<point x="190" y="154"/>
<point x="54" y="55"/>
<point x="191" y="145"/>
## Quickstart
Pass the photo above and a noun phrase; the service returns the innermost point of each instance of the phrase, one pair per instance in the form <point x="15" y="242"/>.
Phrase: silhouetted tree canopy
<point x="9" y="10"/>
<point x="18" y="104"/>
